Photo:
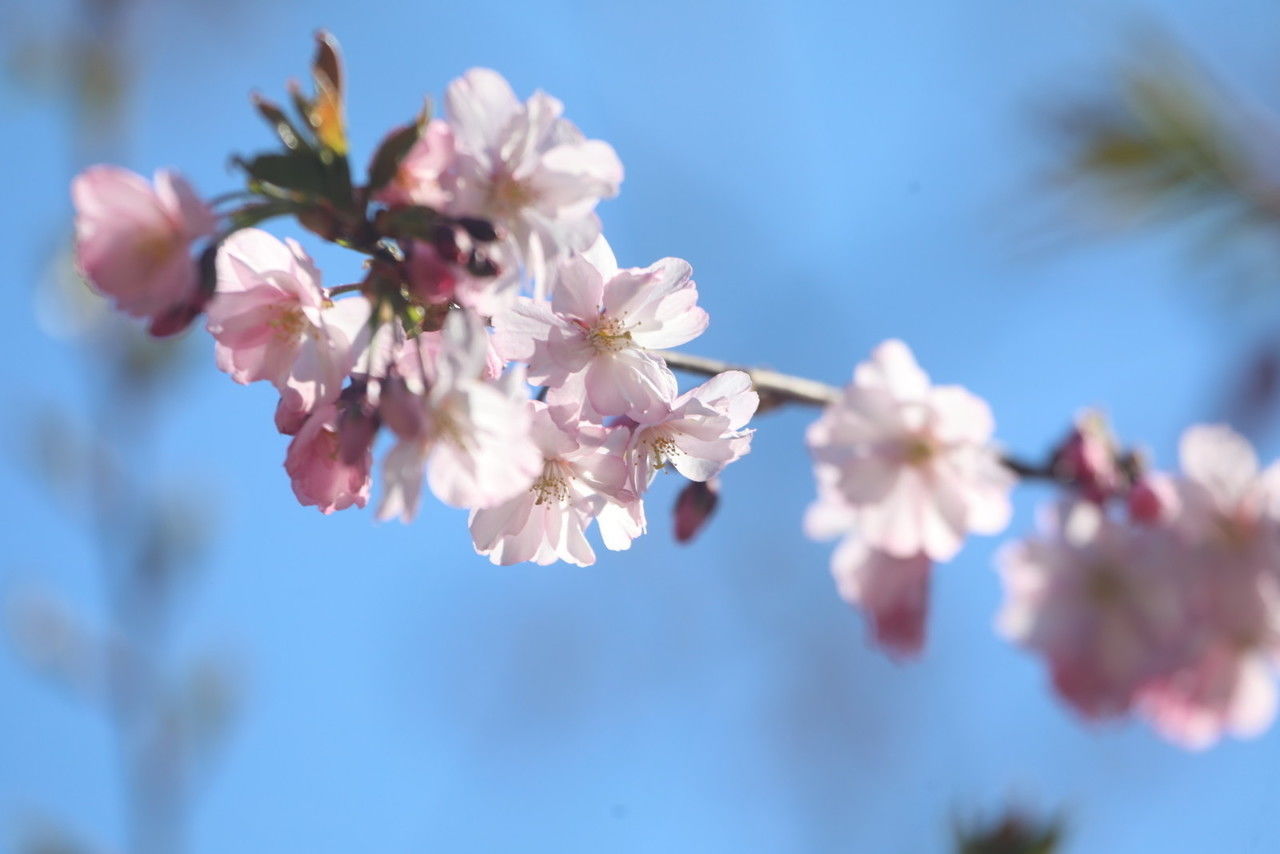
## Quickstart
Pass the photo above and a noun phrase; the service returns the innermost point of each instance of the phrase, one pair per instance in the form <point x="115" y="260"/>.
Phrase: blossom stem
<point x="778" y="389"/>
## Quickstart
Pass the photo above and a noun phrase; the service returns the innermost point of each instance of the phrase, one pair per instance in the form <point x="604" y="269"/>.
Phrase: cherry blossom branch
<point x="777" y="389"/>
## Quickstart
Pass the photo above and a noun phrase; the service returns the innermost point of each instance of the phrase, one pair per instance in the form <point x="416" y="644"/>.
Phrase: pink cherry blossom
<point x="1225" y="498"/>
<point x="471" y="436"/>
<point x="320" y="475"/>
<point x="915" y="460"/>
<point x="1105" y="603"/>
<point x="423" y="177"/>
<point x="1226" y="529"/>
<point x="272" y="321"/>
<point x="603" y="330"/>
<point x="528" y="169"/>
<point x="582" y="469"/>
<point x="699" y="434"/>
<point x="133" y="240"/>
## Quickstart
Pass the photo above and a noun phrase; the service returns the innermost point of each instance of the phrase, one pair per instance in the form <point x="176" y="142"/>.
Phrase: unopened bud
<point x="1086" y="459"/>
<point x="1153" y="500"/>
<point x="290" y="416"/>
<point x="400" y="408"/>
<point x="358" y="422"/>
<point x="694" y="507"/>
<point x="431" y="280"/>
<point x="179" y="317"/>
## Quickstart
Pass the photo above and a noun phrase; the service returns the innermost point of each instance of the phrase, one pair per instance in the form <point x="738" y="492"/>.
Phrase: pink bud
<point x="291" y="414"/>
<point x="178" y="317"/>
<point x="401" y="409"/>
<point x="1087" y="459"/>
<point x="1153" y="500"/>
<point x="358" y="422"/>
<point x="694" y="506"/>
<point x="431" y="279"/>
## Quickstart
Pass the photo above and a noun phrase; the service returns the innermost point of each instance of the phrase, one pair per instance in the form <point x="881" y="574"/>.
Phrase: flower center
<point x="552" y="485"/>
<point x="608" y="335"/>
<point x="661" y="450"/>
<point x="508" y="195"/>
<point x="155" y="248"/>
<point x="288" y="323"/>
<point x="917" y="451"/>
<point x="1105" y="586"/>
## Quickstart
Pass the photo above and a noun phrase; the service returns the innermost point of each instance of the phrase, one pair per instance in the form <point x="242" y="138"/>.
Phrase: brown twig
<point x="778" y="389"/>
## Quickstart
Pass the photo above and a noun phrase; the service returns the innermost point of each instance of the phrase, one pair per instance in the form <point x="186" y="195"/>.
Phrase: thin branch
<point x="778" y="389"/>
<point x="774" y="388"/>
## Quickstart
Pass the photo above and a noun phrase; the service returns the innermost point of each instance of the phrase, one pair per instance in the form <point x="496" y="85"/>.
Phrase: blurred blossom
<point x="1014" y="832"/>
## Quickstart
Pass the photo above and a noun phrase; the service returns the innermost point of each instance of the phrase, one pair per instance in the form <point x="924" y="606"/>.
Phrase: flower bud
<point x="358" y="422"/>
<point x="431" y="280"/>
<point x="1087" y="459"/>
<point x="694" y="507"/>
<point x="291" y="414"/>
<point x="1153" y="500"/>
<point x="401" y="409"/>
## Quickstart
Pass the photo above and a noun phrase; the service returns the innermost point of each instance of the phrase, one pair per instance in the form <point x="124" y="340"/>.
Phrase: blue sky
<point x="837" y="173"/>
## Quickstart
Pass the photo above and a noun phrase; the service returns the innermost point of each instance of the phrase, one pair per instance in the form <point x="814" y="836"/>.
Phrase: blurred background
<point x="1058" y="205"/>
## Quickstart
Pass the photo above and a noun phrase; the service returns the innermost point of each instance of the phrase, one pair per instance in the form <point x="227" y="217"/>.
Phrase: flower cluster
<point x="1160" y="597"/>
<point x="485" y="272"/>
<point x="515" y="370"/>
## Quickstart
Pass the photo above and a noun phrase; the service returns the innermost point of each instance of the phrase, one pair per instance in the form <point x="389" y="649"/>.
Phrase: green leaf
<point x="386" y="160"/>
<point x="285" y="129"/>
<point x="299" y="172"/>
<point x="252" y="214"/>
<point x="413" y="221"/>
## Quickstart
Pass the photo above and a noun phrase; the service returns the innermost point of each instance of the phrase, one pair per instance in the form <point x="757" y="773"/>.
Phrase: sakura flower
<point x="273" y="321"/>
<point x="1105" y="603"/>
<point x="133" y="240"/>
<point x="600" y="332"/>
<point x="915" y="460"/>
<point x="528" y="169"/>
<point x="1224" y="496"/>
<point x="581" y="470"/>
<point x="1227" y="531"/>
<point x="423" y="175"/>
<point x="699" y="434"/>
<point x="471" y="436"/>
<point x="321" y="476"/>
